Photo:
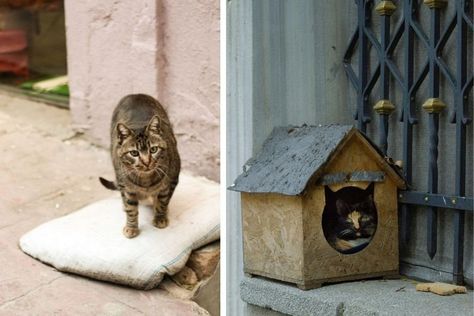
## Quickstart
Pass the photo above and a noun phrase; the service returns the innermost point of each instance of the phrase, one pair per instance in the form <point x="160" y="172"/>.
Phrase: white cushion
<point x="90" y="242"/>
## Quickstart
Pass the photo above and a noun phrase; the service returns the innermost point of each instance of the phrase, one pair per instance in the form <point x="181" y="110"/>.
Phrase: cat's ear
<point x="123" y="132"/>
<point x="370" y="193"/>
<point x="342" y="207"/>
<point x="370" y="198"/>
<point x="370" y="188"/>
<point x="328" y="190"/>
<point x="368" y="202"/>
<point x="154" y="125"/>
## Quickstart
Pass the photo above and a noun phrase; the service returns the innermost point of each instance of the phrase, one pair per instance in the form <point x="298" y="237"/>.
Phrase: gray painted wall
<point x="239" y="136"/>
<point x="285" y="67"/>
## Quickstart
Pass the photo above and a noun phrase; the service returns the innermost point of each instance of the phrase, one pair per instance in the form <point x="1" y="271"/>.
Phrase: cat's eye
<point x="134" y="153"/>
<point x="154" y="149"/>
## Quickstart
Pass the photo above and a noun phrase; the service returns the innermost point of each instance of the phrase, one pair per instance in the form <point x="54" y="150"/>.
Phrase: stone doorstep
<point x="374" y="297"/>
<point x="199" y="280"/>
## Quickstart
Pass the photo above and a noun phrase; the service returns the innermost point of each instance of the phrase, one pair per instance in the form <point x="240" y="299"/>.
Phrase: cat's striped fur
<point x="145" y="158"/>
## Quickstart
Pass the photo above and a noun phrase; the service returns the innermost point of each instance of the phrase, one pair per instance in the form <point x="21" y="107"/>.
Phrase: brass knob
<point x="385" y="7"/>
<point x="434" y="105"/>
<point x="384" y="107"/>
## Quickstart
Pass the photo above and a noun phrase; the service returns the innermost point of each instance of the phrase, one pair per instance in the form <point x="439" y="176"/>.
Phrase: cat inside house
<point x="145" y="159"/>
<point x="349" y="218"/>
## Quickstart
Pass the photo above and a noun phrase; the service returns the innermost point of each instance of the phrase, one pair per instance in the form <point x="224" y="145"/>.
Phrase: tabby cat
<point x="145" y="158"/>
<point x="351" y="218"/>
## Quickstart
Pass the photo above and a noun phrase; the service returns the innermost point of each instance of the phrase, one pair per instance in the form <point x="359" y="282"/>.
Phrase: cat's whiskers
<point x="162" y="171"/>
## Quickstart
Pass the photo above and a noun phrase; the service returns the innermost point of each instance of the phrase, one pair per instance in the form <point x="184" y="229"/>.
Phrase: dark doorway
<point x="33" y="59"/>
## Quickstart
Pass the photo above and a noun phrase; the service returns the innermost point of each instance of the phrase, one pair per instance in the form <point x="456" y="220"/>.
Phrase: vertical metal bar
<point x="384" y="107"/>
<point x="433" y="106"/>
<point x="432" y="216"/>
<point x="409" y="7"/>
<point x="458" y="255"/>
<point x="461" y="121"/>
<point x="384" y="73"/>
<point x="383" y="128"/>
<point x="364" y="59"/>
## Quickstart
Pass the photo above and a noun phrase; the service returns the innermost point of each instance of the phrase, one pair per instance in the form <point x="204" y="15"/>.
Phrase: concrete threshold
<point x="374" y="297"/>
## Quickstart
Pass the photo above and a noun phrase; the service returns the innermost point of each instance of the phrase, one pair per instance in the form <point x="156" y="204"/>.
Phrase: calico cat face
<point x="356" y="220"/>
<point x="141" y="151"/>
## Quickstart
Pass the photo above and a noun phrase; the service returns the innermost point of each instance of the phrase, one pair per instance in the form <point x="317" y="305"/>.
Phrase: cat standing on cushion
<point x="145" y="158"/>
<point x="353" y="220"/>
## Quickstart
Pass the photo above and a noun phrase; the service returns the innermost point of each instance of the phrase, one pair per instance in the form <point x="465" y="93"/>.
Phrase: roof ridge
<point x="289" y="157"/>
<point x="292" y="155"/>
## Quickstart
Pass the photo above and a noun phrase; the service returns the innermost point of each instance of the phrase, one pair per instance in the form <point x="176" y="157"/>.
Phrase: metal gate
<point x="380" y="69"/>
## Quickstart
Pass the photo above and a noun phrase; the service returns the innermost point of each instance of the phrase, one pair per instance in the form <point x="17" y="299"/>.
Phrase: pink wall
<point x="168" y="49"/>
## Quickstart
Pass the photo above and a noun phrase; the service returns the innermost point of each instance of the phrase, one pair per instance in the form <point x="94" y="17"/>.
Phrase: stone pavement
<point x="46" y="171"/>
<point x="374" y="297"/>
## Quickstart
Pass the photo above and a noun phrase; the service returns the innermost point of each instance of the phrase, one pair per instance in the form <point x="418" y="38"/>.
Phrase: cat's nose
<point x="146" y="161"/>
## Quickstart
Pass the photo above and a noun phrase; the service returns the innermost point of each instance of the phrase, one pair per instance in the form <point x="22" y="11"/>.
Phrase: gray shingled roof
<point x="288" y="159"/>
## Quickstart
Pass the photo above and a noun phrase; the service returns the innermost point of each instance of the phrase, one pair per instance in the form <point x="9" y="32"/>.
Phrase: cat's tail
<point x="108" y="184"/>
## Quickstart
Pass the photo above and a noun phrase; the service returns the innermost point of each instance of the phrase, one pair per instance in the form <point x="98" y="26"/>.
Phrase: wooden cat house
<point x="284" y="193"/>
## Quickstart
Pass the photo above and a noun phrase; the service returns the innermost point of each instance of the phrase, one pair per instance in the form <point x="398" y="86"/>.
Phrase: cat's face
<point x="357" y="220"/>
<point x="141" y="151"/>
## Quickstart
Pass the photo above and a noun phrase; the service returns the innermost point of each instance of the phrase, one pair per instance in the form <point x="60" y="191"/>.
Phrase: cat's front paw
<point x="130" y="232"/>
<point x="160" y="222"/>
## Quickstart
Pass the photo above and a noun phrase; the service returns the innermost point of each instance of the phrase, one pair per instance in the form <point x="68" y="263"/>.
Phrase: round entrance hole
<point x="349" y="218"/>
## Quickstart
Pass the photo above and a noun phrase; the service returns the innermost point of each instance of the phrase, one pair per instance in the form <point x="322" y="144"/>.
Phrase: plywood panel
<point x="352" y="157"/>
<point x="273" y="235"/>
<point x="357" y="154"/>
<point x="322" y="262"/>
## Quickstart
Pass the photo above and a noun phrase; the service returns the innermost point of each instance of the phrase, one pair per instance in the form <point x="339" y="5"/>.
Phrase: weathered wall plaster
<point x="168" y="49"/>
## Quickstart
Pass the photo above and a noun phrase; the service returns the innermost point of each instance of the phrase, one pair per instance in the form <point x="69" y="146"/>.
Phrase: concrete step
<point x="374" y="297"/>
